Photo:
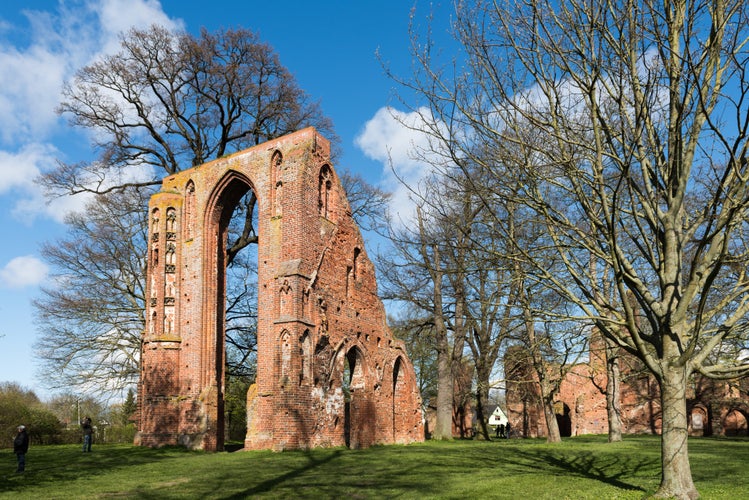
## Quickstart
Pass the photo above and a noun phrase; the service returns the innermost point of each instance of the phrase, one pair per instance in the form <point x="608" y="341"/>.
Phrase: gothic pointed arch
<point x="189" y="210"/>
<point x="309" y="327"/>
<point x="324" y="189"/>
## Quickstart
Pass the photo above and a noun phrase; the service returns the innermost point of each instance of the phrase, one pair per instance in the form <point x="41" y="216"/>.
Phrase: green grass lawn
<point x="579" y="468"/>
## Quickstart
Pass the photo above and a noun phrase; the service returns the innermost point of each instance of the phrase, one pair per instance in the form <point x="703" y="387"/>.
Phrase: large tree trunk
<point x="613" y="403"/>
<point x="676" y="475"/>
<point x="482" y="398"/>
<point x="443" y="427"/>
<point x="540" y="367"/>
<point x="552" y="426"/>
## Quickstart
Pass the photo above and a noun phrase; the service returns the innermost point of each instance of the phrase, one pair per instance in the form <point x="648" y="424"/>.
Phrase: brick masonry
<point x="714" y="407"/>
<point x="319" y="317"/>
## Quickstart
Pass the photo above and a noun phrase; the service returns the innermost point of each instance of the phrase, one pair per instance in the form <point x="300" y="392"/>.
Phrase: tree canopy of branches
<point x="414" y="327"/>
<point x="90" y="316"/>
<point x="170" y="101"/>
<point x="163" y="103"/>
<point x="414" y="274"/>
<point x="622" y="128"/>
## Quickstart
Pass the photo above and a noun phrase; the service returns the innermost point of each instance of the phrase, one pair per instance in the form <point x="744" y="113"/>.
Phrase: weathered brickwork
<point x="318" y="311"/>
<point x="714" y="407"/>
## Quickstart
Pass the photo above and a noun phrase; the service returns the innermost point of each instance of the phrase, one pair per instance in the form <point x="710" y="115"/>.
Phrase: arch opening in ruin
<point x="699" y="421"/>
<point x="735" y="423"/>
<point x="564" y="419"/>
<point x="316" y="301"/>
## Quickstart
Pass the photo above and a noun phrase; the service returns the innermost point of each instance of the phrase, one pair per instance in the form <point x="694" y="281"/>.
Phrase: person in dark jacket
<point x="20" y="447"/>
<point x="88" y="433"/>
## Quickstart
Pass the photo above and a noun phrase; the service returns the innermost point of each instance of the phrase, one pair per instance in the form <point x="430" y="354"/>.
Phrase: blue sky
<point x="329" y="46"/>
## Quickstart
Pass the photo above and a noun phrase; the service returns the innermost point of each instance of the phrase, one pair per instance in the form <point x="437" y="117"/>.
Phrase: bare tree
<point x="170" y="101"/>
<point x="165" y="102"/>
<point x="446" y="264"/>
<point x="552" y="347"/>
<point x="413" y="272"/>
<point x="414" y="328"/>
<point x="626" y="125"/>
<point x="90" y="316"/>
<point x="368" y="203"/>
<point x="448" y="353"/>
<point x="484" y="279"/>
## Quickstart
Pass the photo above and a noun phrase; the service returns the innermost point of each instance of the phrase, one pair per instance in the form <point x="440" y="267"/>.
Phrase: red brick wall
<point x="580" y="405"/>
<point x="317" y="304"/>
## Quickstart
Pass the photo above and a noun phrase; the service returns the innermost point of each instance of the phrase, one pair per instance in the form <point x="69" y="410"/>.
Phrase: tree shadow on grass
<point x="269" y="484"/>
<point x="420" y="470"/>
<point x="377" y="472"/>
<point x="612" y="466"/>
<point x="609" y="469"/>
<point x="67" y="463"/>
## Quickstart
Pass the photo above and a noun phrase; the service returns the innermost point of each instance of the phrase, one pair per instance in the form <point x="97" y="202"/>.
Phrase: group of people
<point x="21" y="442"/>
<point x="503" y="430"/>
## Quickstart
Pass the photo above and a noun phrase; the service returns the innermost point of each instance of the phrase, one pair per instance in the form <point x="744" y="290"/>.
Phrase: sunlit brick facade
<point x="714" y="407"/>
<point x="318" y="311"/>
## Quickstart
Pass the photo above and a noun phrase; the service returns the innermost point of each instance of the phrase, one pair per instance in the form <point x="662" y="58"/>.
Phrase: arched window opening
<point x="277" y="165"/>
<point x="285" y="299"/>
<point x="356" y="372"/>
<point x="324" y="187"/>
<point x="699" y="422"/>
<point x="171" y="223"/>
<point x="735" y="423"/>
<point x="155" y="221"/>
<point x="231" y="232"/>
<point x="355" y="266"/>
<point x="352" y="272"/>
<point x="189" y="217"/>
<point x="170" y="258"/>
<point x="277" y="182"/>
<point x="397" y="390"/>
<point x="397" y="376"/>
<point x="305" y="350"/>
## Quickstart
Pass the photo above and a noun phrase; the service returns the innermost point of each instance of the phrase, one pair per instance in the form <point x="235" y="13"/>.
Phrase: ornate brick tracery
<point x="317" y="304"/>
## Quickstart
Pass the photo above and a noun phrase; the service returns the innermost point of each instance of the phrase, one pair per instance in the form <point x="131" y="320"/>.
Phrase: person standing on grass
<point x="20" y="447"/>
<point x="88" y="433"/>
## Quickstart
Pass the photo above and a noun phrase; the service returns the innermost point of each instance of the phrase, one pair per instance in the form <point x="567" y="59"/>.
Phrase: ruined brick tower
<point x="329" y="372"/>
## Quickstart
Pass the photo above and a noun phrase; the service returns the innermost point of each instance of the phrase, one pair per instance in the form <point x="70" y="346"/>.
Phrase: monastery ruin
<point x="318" y="311"/>
<point x="715" y="407"/>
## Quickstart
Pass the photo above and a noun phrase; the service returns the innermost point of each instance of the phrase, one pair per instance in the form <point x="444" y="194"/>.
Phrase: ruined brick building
<point x="329" y="371"/>
<point x="714" y="407"/>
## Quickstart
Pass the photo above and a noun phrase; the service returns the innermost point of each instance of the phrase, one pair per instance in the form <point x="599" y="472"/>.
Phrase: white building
<point x="497" y="416"/>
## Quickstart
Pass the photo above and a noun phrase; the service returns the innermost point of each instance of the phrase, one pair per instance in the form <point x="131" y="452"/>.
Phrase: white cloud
<point x="37" y="58"/>
<point x="18" y="169"/>
<point x="117" y="16"/>
<point x="392" y="138"/>
<point x="30" y="83"/>
<point x="27" y="209"/>
<point x="18" y="182"/>
<point x="23" y="271"/>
